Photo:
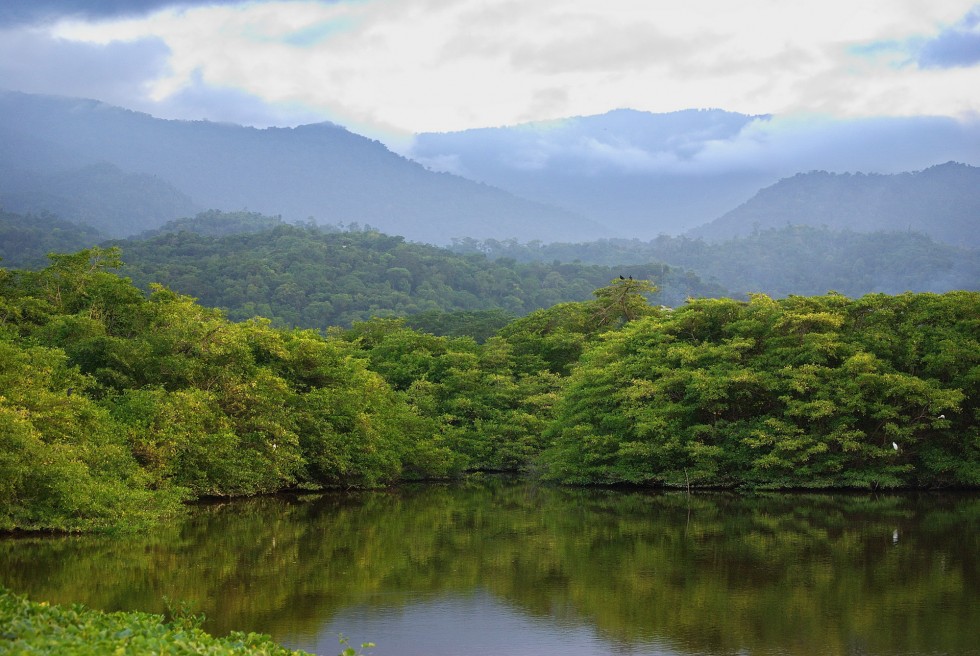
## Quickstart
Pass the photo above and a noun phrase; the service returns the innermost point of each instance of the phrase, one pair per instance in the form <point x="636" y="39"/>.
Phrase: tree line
<point x="117" y="405"/>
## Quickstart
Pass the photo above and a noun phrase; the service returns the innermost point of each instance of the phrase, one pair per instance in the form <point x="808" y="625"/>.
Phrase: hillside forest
<point x="118" y="404"/>
<point x="316" y="276"/>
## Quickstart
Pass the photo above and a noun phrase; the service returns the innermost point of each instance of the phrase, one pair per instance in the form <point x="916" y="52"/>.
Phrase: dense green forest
<point x="314" y="276"/>
<point x="26" y="240"/>
<point x="793" y="259"/>
<point x="805" y="392"/>
<point x="116" y="405"/>
<point x="317" y="277"/>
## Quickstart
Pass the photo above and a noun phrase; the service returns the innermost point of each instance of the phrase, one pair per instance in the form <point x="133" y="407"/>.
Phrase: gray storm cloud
<point x="37" y="63"/>
<point x="19" y="12"/>
<point x="956" y="46"/>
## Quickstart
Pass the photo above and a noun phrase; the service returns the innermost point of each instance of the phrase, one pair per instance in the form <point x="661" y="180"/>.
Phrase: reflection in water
<point x="504" y="566"/>
<point x="476" y="625"/>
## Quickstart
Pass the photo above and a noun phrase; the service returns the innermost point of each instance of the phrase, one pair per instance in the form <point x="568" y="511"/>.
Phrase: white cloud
<point x="387" y="66"/>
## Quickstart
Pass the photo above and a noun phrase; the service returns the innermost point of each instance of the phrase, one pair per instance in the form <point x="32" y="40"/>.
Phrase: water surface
<point x="500" y="566"/>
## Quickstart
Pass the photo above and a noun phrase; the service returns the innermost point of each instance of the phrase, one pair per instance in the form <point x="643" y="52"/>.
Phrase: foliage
<point x="214" y="223"/>
<point x="707" y="572"/>
<point x="315" y="277"/>
<point x="116" y="405"/>
<point x="39" y="628"/>
<point x="791" y="259"/>
<point x="25" y="241"/>
<point x="489" y="413"/>
<point x="804" y="392"/>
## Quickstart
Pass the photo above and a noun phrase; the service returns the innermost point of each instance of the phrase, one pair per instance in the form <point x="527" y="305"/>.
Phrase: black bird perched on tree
<point x="621" y="277"/>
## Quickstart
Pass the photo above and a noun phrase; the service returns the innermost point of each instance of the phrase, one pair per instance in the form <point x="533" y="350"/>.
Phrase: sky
<point x="390" y="68"/>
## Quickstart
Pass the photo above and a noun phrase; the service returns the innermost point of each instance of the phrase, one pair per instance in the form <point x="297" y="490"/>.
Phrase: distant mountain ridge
<point x="942" y="201"/>
<point x="320" y="171"/>
<point x="647" y="174"/>
<point x="625" y="168"/>
<point x="623" y="174"/>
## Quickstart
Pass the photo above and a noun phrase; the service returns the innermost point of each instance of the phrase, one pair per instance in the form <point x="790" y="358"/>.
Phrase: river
<point x="504" y="566"/>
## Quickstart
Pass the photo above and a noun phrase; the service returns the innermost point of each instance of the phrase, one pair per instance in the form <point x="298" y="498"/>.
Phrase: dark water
<point x="505" y="567"/>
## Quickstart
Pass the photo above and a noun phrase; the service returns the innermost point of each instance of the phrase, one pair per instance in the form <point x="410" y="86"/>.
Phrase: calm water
<point x="505" y="567"/>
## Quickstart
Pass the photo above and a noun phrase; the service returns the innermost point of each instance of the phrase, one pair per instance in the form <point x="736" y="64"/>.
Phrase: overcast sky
<point x="393" y="67"/>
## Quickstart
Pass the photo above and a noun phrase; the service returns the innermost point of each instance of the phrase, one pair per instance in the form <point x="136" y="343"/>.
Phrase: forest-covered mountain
<point x="798" y="259"/>
<point x="252" y="264"/>
<point x="624" y="174"/>
<point x="312" y="276"/>
<point x="645" y="174"/>
<point x="320" y="171"/>
<point x="25" y="240"/>
<point x="99" y="195"/>
<point x="941" y="201"/>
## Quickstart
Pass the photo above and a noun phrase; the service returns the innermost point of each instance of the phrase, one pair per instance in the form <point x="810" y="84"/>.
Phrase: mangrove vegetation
<point x="116" y="406"/>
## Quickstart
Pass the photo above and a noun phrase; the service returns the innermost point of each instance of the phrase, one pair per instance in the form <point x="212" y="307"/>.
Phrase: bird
<point x="894" y="446"/>
<point x="942" y="416"/>
<point x="621" y="277"/>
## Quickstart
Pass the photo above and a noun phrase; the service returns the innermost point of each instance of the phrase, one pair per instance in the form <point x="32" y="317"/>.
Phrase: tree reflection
<point x="805" y="573"/>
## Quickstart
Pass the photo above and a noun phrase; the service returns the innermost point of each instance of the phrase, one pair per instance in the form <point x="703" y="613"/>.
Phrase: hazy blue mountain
<point x="941" y="201"/>
<point x="791" y="259"/>
<point x="320" y="171"/>
<point x="99" y="195"/>
<point x="645" y="174"/>
<point x="619" y="168"/>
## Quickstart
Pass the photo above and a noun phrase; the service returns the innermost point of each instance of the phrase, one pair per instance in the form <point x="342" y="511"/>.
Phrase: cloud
<point x="705" y="143"/>
<point x="608" y="47"/>
<point x="384" y="67"/>
<point x="198" y="100"/>
<point x="879" y="144"/>
<point x="116" y="72"/>
<point x="20" y="12"/>
<point x="955" y="46"/>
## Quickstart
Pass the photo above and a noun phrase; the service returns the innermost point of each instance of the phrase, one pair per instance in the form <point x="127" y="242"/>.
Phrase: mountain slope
<point x="626" y="168"/>
<point x="942" y="201"/>
<point x="98" y="195"/>
<point x="315" y="277"/>
<point x="789" y="260"/>
<point x="321" y="171"/>
<point x="645" y="174"/>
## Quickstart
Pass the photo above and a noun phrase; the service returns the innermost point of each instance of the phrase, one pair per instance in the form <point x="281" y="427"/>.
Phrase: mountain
<point x="941" y="201"/>
<point x="100" y="195"/>
<point x="623" y="168"/>
<point x="317" y="276"/>
<point x="645" y="174"/>
<point x="320" y="171"/>
<point x="783" y="261"/>
<point x="26" y="240"/>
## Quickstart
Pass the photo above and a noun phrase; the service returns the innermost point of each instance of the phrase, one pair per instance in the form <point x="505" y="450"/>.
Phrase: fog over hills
<point x="320" y="171"/>
<point x="646" y="174"/>
<point x="623" y="174"/>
